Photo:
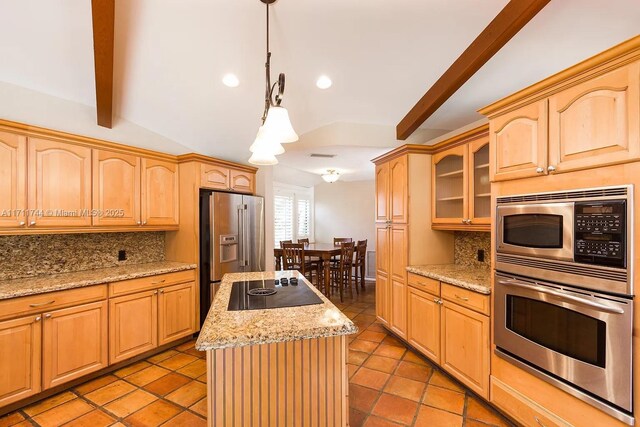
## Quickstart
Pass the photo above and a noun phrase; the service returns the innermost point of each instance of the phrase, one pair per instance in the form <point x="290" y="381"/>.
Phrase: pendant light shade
<point x="331" y="176"/>
<point x="264" y="144"/>
<point x="277" y="126"/>
<point x="263" y="158"/>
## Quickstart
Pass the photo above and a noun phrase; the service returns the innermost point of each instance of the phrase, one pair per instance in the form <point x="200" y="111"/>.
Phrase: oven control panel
<point x="600" y="232"/>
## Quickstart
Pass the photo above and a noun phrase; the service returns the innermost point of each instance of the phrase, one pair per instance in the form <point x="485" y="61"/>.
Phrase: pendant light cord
<point x="267" y="65"/>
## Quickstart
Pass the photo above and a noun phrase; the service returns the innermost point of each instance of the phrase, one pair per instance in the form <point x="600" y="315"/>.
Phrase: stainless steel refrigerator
<point x="231" y="239"/>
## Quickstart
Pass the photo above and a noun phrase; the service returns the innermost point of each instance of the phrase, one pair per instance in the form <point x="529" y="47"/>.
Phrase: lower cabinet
<point x="424" y="323"/>
<point x="144" y="320"/>
<point x="133" y="325"/>
<point x="382" y="298"/>
<point x="74" y="343"/>
<point x="20" y="358"/>
<point x="465" y="346"/>
<point x="453" y="336"/>
<point x="398" y="306"/>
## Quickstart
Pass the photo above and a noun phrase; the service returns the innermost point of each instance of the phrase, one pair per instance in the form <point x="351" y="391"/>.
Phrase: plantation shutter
<point x="304" y="218"/>
<point x="283" y="218"/>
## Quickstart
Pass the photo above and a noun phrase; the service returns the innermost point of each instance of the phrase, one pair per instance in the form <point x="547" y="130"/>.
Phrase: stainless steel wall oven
<point x="564" y="294"/>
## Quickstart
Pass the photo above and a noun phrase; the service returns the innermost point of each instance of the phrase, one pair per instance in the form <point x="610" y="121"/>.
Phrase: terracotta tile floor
<point x="390" y="385"/>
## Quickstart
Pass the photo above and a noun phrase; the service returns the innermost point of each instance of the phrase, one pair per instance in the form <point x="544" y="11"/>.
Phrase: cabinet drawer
<point x="51" y="301"/>
<point x="521" y="408"/>
<point x="424" y="284"/>
<point x="151" y="282"/>
<point x="466" y="298"/>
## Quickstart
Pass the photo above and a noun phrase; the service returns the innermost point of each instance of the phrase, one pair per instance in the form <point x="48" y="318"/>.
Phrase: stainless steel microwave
<point x="579" y="237"/>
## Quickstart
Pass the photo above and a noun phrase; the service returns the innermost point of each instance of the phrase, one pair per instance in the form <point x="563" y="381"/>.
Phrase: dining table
<point x="324" y="251"/>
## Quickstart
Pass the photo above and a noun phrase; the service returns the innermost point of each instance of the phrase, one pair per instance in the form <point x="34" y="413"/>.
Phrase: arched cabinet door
<point x="13" y="180"/>
<point x="59" y="184"/>
<point x="398" y="190"/>
<point x="596" y="123"/>
<point x="116" y="188"/>
<point x="450" y="186"/>
<point x="382" y="192"/>
<point x="159" y="192"/>
<point x="518" y="143"/>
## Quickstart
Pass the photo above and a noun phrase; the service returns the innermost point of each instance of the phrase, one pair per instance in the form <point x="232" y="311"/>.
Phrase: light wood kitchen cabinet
<point x="159" y="192"/>
<point x="116" y="188"/>
<point x="176" y="312"/>
<point x="382" y="192"/>
<point x="13" y="180"/>
<point x="461" y="189"/>
<point x="59" y="180"/>
<point x="398" y="244"/>
<point x="242" y="182"/>
<point x="383" y="293"/>
<point x="518" y="142"/>
<point x="133" y="325"/>
<point x="465" y="346"/>
<point x="74" y="343"/>
<point x="597" y="122"/>
<point x="398" y="190"/>
<point x="20" y="358"/>
<point x="215" y="177"/>
<point x="424" y="323"/>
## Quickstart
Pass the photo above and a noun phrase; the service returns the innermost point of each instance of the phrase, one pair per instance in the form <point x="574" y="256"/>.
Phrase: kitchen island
<point x="275" y="366"/>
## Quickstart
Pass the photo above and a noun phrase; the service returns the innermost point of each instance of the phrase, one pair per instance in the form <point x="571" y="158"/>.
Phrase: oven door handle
<point x="571" y="298"/>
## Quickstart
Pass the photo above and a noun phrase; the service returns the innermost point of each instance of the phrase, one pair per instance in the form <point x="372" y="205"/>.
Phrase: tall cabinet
<point x="403" y="230"/>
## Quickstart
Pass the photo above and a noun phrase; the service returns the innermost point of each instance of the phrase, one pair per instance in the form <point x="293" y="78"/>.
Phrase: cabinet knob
<point x="162" y="291"/>
<point x="32" y="223"/>
<point x="551" y="168"/>
<point x="464" y="221"/>
<point x="539" y="170"/>
<point x="144" y="222"/>
<point x="468" y="221"/>
<point x="47" y="316"/>
<point x="38" y="318"/>
<point x="22" y="223"/>
<point x="155" y="292"/>
<point x="139" y="222"/>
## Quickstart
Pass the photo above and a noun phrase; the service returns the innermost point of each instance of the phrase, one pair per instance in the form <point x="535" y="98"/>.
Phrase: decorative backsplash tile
<point x="27" y="256"/>
<point x="466" y="245"/>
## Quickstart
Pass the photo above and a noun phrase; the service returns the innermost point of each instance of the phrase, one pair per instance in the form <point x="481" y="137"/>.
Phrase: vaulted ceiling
<point x="170" y="56"/>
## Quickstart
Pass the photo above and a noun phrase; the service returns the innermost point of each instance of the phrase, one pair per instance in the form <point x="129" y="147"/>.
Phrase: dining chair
<point x="338" y="240"/>
<point x="313" y="259"/>
<point x="283" y="242"/>
<point x="341" y="271"/>
<point x="293" y="258"/>
<point x="359" y="263"/>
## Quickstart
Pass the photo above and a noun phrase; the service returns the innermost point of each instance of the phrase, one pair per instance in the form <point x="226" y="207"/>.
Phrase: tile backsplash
<point x="466" y="245"/>
<point x="27" y="256"/>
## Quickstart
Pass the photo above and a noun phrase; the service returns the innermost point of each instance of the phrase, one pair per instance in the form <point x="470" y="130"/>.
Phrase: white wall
<point x="345" y="209"/>
<point x="264" y="188"/>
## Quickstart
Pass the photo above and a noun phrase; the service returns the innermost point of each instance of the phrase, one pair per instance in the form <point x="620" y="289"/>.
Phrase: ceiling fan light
<point x="331" y="176"/>
<point x="277" y="126"/>
<point x="263" y="144"/>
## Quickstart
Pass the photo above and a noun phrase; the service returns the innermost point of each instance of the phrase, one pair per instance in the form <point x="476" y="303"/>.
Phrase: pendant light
<point x="331" y="176"/>
<point x="276" y="126"/>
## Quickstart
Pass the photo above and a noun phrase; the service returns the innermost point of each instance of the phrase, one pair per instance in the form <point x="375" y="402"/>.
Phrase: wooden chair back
<point x="361" y="251"/>
<point x="346" y="255"/>
<point x="293" y="256"/>
<point x="338" y="240"/>
<point x="283" y="242"/>
<point x="303" y="241"/>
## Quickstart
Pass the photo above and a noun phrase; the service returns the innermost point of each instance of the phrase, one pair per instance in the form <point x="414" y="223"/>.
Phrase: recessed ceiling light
<point x="230" y="80"/>
<point x="324" y="82"/>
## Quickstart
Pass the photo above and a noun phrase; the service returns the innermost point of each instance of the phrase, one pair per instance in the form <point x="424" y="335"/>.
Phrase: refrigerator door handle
<point x="241" y="232"/>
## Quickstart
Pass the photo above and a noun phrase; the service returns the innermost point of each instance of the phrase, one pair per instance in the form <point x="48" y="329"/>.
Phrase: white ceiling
<point x="170" y="56"/>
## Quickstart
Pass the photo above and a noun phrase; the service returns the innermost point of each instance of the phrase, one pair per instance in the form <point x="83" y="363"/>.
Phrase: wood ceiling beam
<point x="511" y="19"/>
<point x="103" y="16"/>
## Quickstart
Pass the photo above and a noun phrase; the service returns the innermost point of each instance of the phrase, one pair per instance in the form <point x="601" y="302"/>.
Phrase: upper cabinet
<point x="159" y="192"/>
<point x="116" y="188"/>
<point x="217" y="177"/>
<point x="59" y="184"/>
<point x="597" y="122"/>
<point x="392" y="192"/>
<point x="519" y="142"/>
<point x="461" y="190"/>
<point x="582" y="118"/>
<point x="13" y="180"/>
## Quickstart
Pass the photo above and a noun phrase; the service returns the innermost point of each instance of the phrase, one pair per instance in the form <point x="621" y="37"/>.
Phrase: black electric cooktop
<point x="265" y="294"/>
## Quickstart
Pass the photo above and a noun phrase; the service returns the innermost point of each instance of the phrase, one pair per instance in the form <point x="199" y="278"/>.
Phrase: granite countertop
<point x="57" y="282"/>
<point x="476" y="279"/>
<point x="224" y="328"/>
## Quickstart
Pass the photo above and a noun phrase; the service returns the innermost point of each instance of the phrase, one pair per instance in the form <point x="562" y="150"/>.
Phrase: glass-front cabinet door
<point x="450" y="186"/>
<point x="479" y="184"/>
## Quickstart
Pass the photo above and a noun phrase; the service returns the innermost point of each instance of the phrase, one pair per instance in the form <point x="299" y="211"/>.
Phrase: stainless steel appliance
<point x="580" y="341"/>
<point x="578" y="237"/>
<point x="231" y="239"/>
<point x="563" y="291"/>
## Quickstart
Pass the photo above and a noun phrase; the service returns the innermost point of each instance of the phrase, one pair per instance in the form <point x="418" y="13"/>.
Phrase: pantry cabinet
<point x="116" y="188"/>
<point x="74" y="343"/>
<point x="13" y="180"/>
<point x="461" y="190"/>
<point x="20" y="358"/>
<point x="392" y="191"/>
<point x="59" y="179"/>
<point x="398" y="244"/>
<point x="383" y="291"/>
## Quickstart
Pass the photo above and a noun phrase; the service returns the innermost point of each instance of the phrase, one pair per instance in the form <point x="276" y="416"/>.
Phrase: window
<point x="293" y="213"/>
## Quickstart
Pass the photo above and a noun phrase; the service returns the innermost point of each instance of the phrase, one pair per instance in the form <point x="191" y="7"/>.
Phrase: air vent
<point x="568" y="268"/>
<point x="323" y="156"/>
<point x="567" y="195"/>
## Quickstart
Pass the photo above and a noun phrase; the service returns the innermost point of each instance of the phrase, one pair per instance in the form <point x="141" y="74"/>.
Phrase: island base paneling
<point x="302" y="382"/>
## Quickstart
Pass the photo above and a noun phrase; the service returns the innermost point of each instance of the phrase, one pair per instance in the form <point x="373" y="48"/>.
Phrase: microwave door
<point x="538" y="230"/>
